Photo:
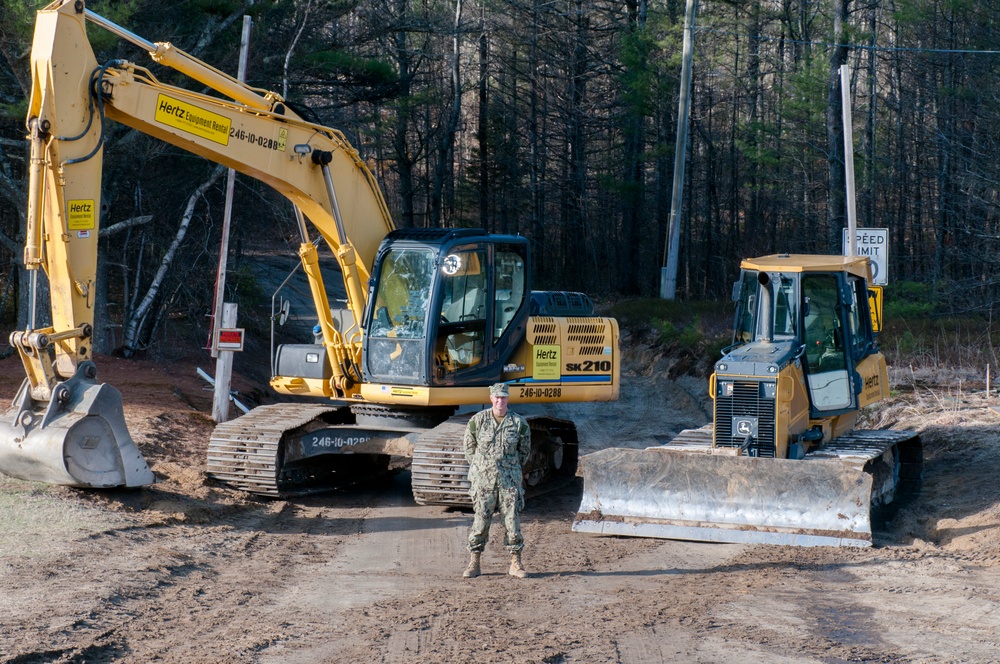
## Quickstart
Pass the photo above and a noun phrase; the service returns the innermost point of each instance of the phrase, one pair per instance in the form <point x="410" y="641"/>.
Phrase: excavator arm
<point x="249" y="130"/>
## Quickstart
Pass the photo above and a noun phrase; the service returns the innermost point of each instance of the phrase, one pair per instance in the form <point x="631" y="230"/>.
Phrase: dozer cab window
<point x="777" y="310"/>
<point x="462" y="328"/>
<point x="826" y="360"/>
<point x="510" y="286"/>
<point x="398" y="326"/>
<point x="785" y="309"/>
<point x="746" y="302"/>
<point x="859" y="320"/>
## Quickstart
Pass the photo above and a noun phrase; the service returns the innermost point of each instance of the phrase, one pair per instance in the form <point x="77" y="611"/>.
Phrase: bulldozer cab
<point x="824" y="312"/>
<point x="446" y="307"/>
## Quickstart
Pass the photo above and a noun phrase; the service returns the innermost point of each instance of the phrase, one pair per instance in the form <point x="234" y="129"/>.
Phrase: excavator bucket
<point x="77" y="438"/>
<point x="672" y="494"/>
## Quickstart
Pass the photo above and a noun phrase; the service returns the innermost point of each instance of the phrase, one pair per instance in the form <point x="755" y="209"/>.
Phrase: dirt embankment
<point x="188" y="571"/>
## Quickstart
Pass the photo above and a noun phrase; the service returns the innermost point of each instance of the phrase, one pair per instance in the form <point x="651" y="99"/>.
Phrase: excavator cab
<point x="446" y="307"/>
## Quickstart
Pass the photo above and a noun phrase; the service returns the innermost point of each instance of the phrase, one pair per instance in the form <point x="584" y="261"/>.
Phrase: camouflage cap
<point x="499" y="390"/>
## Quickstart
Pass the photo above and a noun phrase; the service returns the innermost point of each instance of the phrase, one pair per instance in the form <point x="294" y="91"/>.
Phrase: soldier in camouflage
<point x="497" y="445"/>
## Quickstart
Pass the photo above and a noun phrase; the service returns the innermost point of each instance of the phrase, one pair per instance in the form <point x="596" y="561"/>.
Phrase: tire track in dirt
<point x="165" y="583"/>
<point x="399" y="549"/>
<point x="187" y="572"/>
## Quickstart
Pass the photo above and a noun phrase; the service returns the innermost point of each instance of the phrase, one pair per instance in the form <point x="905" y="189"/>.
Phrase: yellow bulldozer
<point x="433" y="316"/>
<point x="782" y="461"/>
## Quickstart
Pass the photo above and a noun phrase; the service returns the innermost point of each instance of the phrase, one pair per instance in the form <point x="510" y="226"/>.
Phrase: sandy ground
<point x="187" y="571"/>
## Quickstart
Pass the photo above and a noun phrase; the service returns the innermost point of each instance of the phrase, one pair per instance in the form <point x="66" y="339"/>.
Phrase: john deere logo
<point x="744" y="426"/>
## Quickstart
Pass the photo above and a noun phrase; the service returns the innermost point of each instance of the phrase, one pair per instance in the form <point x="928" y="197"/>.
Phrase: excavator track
<point x="249" y="454"/>
<point x="440" y="475"/>
<point x="245" y="453"/>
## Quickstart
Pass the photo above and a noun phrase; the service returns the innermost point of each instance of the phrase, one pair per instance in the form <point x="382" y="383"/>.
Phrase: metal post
<point x="668" y="275"/>
<point x="224" y="370"/>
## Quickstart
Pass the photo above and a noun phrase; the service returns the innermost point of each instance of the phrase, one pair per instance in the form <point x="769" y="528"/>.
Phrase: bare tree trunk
<point x="135" y="324"/>
<point x="446" y="148"/>
<point x="291" y="49"/>
<point x="404" y="159"/>
<point x="483" y="130"/>
<point x="535" y="143"/>
<point x="104" y="339"/>
<point x="737" y="231"/>
<point x="946" y="112"/>
<point x="633" y="217"/>
<point x="754" y="83"/>
<point x="868" y="208"/>
<point x="576" y="239"/>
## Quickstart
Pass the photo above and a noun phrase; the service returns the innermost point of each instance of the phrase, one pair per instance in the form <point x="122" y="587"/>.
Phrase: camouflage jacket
<point x="496" y="451"/>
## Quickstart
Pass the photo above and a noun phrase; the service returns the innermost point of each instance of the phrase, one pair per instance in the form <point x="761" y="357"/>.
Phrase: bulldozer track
<point x="866" y="449"/>
<point x="245" y="453"/>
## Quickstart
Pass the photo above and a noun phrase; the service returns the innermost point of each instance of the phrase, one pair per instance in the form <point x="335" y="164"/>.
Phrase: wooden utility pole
<point x="224" y="358"/>
<point x="668" y="274"/>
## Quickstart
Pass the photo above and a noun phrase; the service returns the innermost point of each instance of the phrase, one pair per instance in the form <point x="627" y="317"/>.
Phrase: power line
<point x="860" y="47"/>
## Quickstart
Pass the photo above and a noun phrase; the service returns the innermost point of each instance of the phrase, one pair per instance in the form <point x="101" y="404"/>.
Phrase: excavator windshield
<point x="399" y="324"/>
<point x="402" y="296"/>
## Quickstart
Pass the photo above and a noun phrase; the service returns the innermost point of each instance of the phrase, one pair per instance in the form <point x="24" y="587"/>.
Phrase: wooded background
<point x="556" y="119"/>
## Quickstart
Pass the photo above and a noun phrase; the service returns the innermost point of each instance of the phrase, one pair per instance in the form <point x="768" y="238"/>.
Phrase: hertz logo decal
<point x="871" y="382"/>
<point x="192" y="119"/>
<point x="82" y="215"/>
<point x="546" y="364"/>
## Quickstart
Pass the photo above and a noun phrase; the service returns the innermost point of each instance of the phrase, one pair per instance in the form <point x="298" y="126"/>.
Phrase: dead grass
<point x="943" y="351"/>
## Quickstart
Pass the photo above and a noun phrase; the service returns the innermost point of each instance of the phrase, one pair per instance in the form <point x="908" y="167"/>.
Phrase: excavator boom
<point x="65" y="427"/>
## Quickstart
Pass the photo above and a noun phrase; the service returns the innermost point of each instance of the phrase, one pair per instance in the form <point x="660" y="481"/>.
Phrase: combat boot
<point x="472" y="571"/>
<point x="516" y="569"/>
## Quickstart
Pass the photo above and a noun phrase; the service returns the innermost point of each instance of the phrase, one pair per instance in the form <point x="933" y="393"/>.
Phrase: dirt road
<point x="186" y="571"/>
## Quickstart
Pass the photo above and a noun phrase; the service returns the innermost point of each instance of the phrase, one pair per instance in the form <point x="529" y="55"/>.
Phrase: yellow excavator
<point x="432" y="317"/>
<point x="782" y="462"/>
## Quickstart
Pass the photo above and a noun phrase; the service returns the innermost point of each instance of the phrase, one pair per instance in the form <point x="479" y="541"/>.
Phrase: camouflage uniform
<point x="496" y="452"/>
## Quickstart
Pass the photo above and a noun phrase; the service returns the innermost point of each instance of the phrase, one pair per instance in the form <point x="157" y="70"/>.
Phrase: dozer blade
<point x="78" y="438"/>
<point x="696" y="496"/>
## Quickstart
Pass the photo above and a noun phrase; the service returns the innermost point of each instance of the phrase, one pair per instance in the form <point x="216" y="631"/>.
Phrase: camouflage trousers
<point x="509" y="503"/>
